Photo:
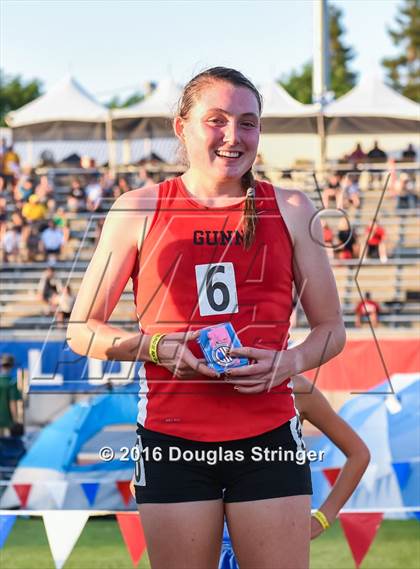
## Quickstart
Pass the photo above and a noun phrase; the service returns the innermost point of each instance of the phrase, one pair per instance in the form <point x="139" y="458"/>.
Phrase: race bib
<point x="216" y="289"/>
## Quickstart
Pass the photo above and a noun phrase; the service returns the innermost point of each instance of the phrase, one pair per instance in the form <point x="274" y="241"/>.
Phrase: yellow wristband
<point x="154" y="342"/>
<point x="322" y="519"/>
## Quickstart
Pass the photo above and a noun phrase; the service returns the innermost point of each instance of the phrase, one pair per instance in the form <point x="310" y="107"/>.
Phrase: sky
<point x="116" y="47"/>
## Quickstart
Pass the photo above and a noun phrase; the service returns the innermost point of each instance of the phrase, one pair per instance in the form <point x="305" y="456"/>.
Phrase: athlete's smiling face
<point x="221" y="133"/>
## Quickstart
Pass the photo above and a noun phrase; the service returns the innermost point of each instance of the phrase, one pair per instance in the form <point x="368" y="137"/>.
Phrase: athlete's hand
<point x="316" y="528"/>
<point x="268" y="368"/>
<point x="175" y="356"/>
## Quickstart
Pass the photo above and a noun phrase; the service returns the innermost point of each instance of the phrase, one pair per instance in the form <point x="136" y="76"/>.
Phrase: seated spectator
<point x="376" y="154"/>
<point x="26" y="190"/>
<point x="52" y="240"/>
<point x="93" y="195"/>
<point x="351" y="189"/>
<point x="11" y="167"/>
<point x="409" y="154"/>
<point x="123" y="185"/>
<point x="3" y="213"/>
<point x="367" y="310"/>
<point x="145" y="178"/>
<point x="108" y="182"/>
<point x="33" y="210"/>
<point x="376" y="242"/>
<point x="328" y="238"/>
<point x="333" y="190"/>
<point x="44" y="190"/>
<point x="31" y="248"/>
<point x="61" y="221"/>
<point x="357" y="155"/>
<point x="65" y="305"/>
<point x="347" y="238"/>
<point x="49" y="288"/>
<point x="11" y="243"/>
<point x="405" y="190"/>
<point x="76" y="200"/>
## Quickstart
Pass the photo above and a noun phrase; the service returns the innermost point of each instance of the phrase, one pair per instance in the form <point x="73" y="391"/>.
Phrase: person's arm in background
<point x="314" y="407"/>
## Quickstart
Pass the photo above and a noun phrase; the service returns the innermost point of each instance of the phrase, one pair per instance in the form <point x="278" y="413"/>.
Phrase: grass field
<point x="397" y="546"/>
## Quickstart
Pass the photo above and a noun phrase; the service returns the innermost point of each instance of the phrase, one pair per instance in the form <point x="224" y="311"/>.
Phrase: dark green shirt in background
<point x="8" y="392"/>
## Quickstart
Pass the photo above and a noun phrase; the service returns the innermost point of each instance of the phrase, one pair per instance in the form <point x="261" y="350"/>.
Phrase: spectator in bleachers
<point x="366" y="310"/>
<point x="376" y="154"/>
<point x="409" y="154"/>
<point x="61" y="221"/>
<point x="9" y="396"/>
<point x="357" y="155"/>
<point x="351" y="189"/>
<point x="11" y="167"/>
<point x="76" y="200"/>
<point x="44" y="190"/>
<point x="31" y="245"/>
<point x="24" y="189"/>
<point x="347" y="238"/>
<point x="107" y="182"/>
<point x="52" y="240"/>
<point x="333" y="190"/>
<point x="405" y="190"/>
<point x="49" y="288"/>
<point x="145" y="178"/>
<point x="33" y="210"/>
<point x="123" y="185"/>
<point x="93" y="195"/>
<point x="11" y="243"/>
<point x="376" y="243"/>
<point x="65" y="305"/>
<point x="328" y="238"/>
<point x="3" y="213"/>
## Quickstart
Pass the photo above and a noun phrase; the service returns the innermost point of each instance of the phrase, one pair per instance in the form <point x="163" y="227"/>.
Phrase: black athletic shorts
<point x="172" y="469"/>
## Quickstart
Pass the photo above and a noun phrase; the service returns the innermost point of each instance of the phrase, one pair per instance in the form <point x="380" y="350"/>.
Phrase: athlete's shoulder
<point x="294" y="200"/>
<point x="140" y="200"/>
<point x="297" y="210"/>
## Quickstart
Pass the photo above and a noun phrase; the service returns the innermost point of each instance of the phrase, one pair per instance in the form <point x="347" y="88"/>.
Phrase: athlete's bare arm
<point x="89" y="334"/>
<point x="314" y="282"/>
<point x="105" y="279"/>
<point x="314" y="407"/>
<point x="318" y="294"/>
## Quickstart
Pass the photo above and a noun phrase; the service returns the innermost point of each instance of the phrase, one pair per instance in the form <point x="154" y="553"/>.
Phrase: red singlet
<point x="192" y="271"/>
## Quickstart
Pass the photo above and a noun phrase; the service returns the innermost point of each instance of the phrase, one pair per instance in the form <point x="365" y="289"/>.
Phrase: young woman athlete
<point x="208" y="247"/>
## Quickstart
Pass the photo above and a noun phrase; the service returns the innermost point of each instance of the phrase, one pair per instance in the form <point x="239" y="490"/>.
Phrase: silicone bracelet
<point x="154" y="342"/>
<point x="322" y="519"/>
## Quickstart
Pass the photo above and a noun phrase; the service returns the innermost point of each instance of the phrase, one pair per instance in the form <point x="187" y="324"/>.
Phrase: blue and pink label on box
<point x="215" y="342"/>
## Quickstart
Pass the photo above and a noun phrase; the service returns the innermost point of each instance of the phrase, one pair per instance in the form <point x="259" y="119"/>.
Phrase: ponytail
<point x="250" y="214"/>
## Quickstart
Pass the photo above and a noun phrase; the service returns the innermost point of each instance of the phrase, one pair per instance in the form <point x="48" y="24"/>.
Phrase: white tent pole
<point x="126" y="151"/>
<point x="320" y="72"/>
<point x="110" y="142"/>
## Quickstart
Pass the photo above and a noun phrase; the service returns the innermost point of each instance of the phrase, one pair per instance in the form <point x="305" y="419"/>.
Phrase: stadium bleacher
<point x="393" y="284"/>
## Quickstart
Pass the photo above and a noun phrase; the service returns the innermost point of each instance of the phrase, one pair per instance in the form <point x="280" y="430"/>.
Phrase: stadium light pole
<point x="321" y="71"/>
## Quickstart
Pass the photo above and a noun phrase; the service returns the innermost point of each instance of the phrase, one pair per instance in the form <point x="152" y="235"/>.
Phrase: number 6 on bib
<point x="216" y="288"/>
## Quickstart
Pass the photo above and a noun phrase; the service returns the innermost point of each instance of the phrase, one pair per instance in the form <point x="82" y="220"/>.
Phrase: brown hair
<point x="189" y="95"/>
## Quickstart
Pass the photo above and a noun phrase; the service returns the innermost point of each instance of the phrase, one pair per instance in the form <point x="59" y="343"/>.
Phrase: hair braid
<point x="250" y="218"/>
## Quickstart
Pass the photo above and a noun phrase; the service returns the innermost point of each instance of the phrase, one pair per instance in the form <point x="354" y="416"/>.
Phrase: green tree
<point x="15" y="92"/>
<point x="403" y="70"/>
<point x="299" y="82"/>
<point x="116" y="103"/>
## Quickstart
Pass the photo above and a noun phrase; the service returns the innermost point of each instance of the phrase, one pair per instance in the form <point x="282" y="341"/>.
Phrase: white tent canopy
<point x="161" y="103"/>
<point x="372" y="107"/>
<point x="66" y="111"/>
<point x="151" y="117"/>
<point x="283" y="114"/>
